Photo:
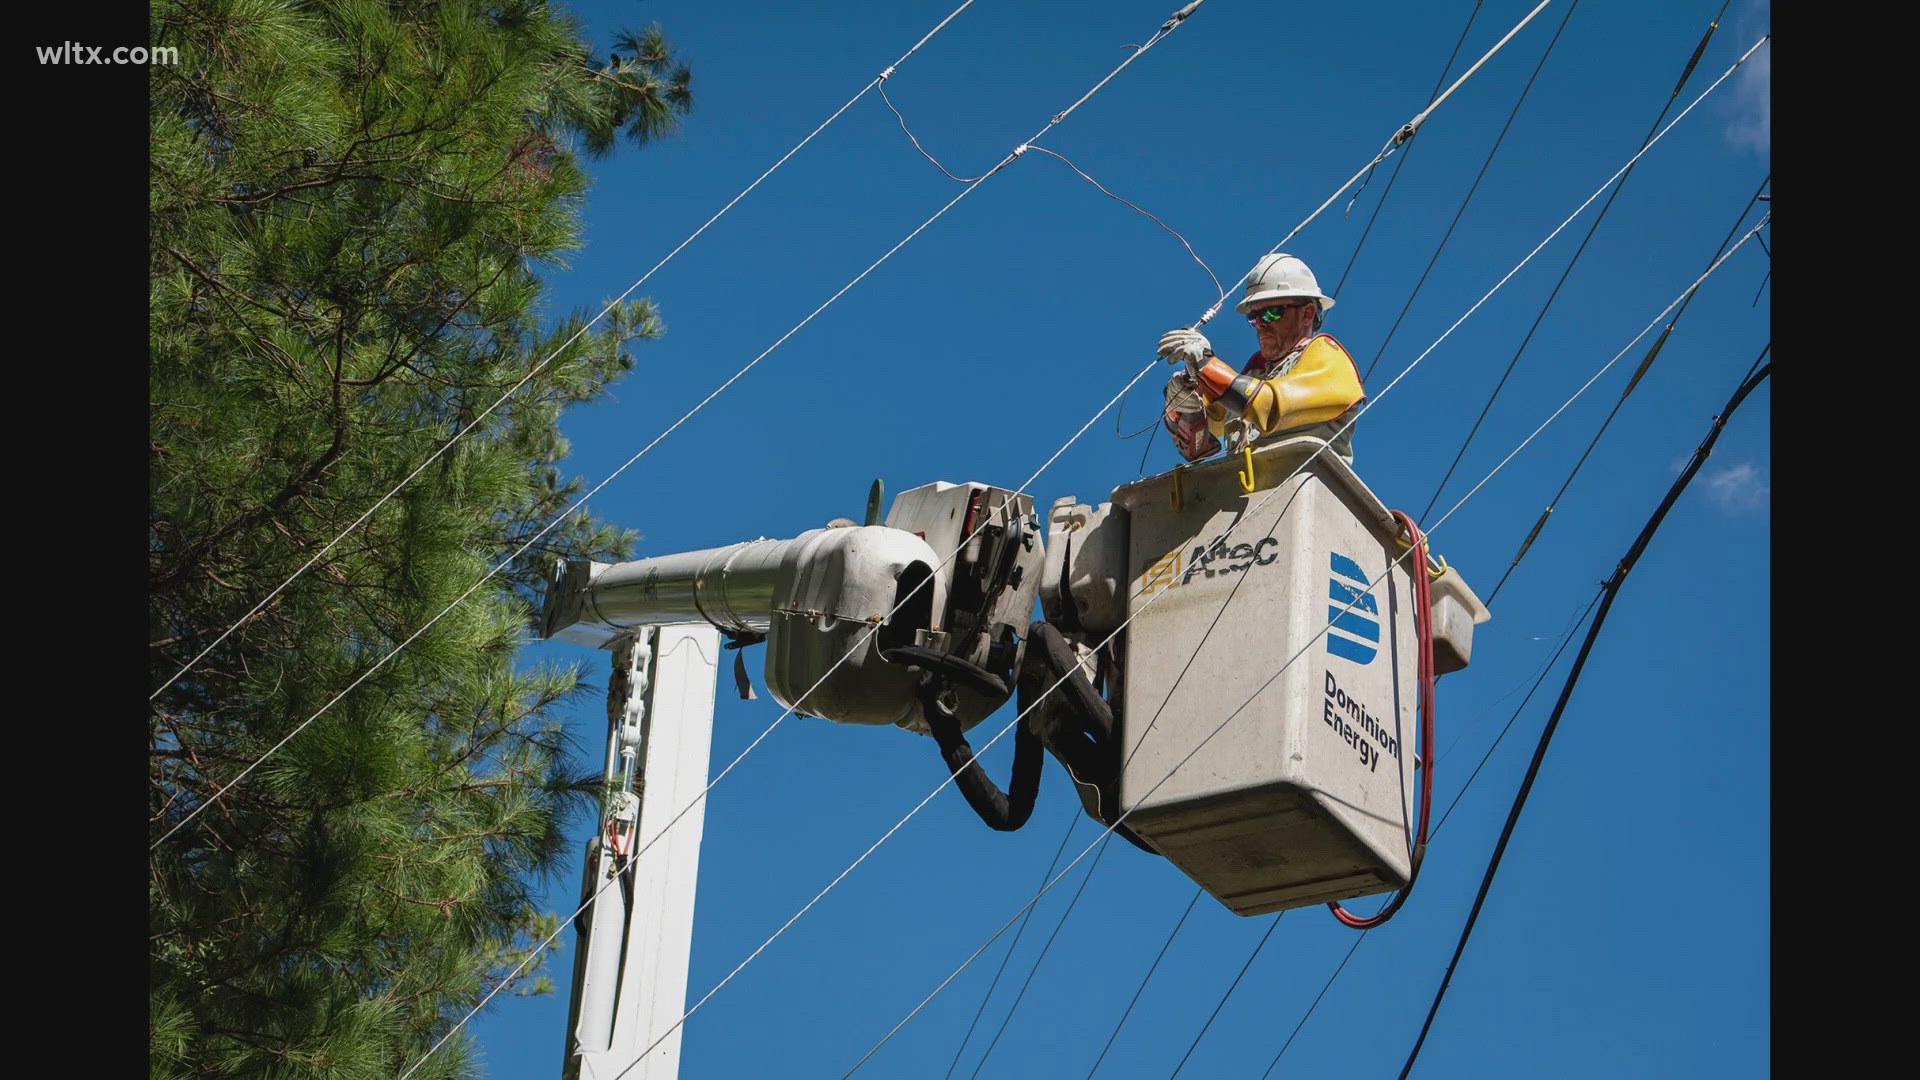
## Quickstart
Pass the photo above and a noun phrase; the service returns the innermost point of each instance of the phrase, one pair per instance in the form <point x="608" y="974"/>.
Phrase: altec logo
<point x="1354" y="615"/>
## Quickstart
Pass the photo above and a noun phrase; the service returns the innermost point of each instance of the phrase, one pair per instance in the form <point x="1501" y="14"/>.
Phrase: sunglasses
<point x="1274" y="314"/>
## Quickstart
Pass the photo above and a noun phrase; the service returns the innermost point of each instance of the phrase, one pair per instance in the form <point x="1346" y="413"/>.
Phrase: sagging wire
<point x="541" y="366"/>
<point x="1609" y="591"/>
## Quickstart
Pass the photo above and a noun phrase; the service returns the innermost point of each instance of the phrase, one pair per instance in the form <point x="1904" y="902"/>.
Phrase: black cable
<point x="1457" y="214"/>
<point x="1639" y="373"/>
<point x="1035" y="969"/>
<point x="1565" y="640"/>
<point x="1191" y="1047"/>
<point x="1155" y="966"/>
<point x="1073" y="819"/>
<point x="1618" y="186"/>
<point x="1610" y="590"/>
<point x="1405" y="151"/>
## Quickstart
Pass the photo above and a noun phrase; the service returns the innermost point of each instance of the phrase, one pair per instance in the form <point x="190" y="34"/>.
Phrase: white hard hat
<point x="1277" y="277"/>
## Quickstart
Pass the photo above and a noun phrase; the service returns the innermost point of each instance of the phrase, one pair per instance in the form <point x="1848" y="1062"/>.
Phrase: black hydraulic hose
<point x="1004" y="811"/>
<point x="1077" y="724"/>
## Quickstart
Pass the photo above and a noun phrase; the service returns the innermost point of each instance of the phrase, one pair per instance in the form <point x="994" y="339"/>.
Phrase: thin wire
<point x="1250" y="514"/>
<point x="1235" y="985"/>
<point x="462" y="433"/>
<point x="1073" y="820"/>
<point x="1402" y="162"/>
<point x="1041" y="956"/>
<point x="1154" y="218"/>
<point x="916" y="142"/>
<point x="1471" y="190"/>
<point x="1591" y="229"/>
<point x="1155" y="966"/>
<point x="1609" y="591"/>
<point x="1328" y="985"/>
<point x="1011" y="157"/>
<point x="1166" y="29"/>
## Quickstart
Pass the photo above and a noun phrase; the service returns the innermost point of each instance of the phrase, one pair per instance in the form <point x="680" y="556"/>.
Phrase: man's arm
<point x="1322" y="385"/>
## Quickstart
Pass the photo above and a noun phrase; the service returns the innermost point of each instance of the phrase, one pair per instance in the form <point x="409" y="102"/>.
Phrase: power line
<point x="1035" y="969"/>
<point x="1402" y="162"/>
<point x="1610" y="590"/>
<point x="1073" y="820"/>
<point x="1151" y="968"/>
<point x="541" y="366"/>
<point x="1638" y="374"/>
<point x="1685" y="74"/>
<point x="1235" y="985"/>
<point x="1471" y="190"/>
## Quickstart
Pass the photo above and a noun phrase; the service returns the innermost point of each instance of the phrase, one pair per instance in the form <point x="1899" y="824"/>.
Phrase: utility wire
<point x="1235" y="985"/>
<point x="1685" y="74"/>
<point x="1610" y="590"/>
<point x="1148" y="977"/>
<point x="1035" y="969"/>
<point x="1073" y="819"/>
<point x="541" y="366"/>
<point x="1009" y="159"/>
<point x="1402" y="162"/>
<point x="1250" y="514"/>
<point x="1471" y="190"/>
<point x="1638" y="374"/>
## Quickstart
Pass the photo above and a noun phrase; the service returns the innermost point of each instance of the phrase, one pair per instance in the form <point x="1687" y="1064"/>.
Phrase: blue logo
<point x="1352" y="624"/>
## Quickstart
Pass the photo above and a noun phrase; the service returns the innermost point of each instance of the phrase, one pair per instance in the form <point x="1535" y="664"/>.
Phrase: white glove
<point x="1185" y="345"/>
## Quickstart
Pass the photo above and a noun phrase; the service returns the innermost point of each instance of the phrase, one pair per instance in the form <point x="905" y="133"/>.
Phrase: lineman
<point x="1301" y="382"/>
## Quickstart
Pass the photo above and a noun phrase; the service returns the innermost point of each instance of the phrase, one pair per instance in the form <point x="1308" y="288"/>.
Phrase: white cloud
<point x="1740" y="487"/>
<point x="1749" y="107"/>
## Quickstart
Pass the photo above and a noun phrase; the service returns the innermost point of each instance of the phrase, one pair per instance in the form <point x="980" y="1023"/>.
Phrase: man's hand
<point x="1185" y="345"/>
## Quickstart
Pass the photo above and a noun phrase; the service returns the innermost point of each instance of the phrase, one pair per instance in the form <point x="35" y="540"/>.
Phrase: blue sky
<point x="1628" y="931"/>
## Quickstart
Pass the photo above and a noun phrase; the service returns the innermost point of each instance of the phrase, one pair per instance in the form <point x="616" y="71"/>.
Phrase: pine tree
<point x="350" y="207"/>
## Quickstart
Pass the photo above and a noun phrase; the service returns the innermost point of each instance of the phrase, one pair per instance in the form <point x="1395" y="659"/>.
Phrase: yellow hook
<point x="1177" y="470"/>
<point x="1246" y="478"/>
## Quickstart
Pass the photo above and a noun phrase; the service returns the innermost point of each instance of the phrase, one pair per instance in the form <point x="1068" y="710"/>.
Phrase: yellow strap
<point x="1246" y="478"/>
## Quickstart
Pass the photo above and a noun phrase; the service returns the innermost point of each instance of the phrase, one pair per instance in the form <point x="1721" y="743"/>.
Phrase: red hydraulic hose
<point x="1423" y="620"/>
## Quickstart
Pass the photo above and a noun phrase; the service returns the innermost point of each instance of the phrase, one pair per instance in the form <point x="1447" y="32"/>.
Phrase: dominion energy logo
<point x="1355" y="633"/>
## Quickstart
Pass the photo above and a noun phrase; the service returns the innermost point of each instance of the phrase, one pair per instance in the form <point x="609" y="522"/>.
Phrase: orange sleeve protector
<point x="1322" y="385"/>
